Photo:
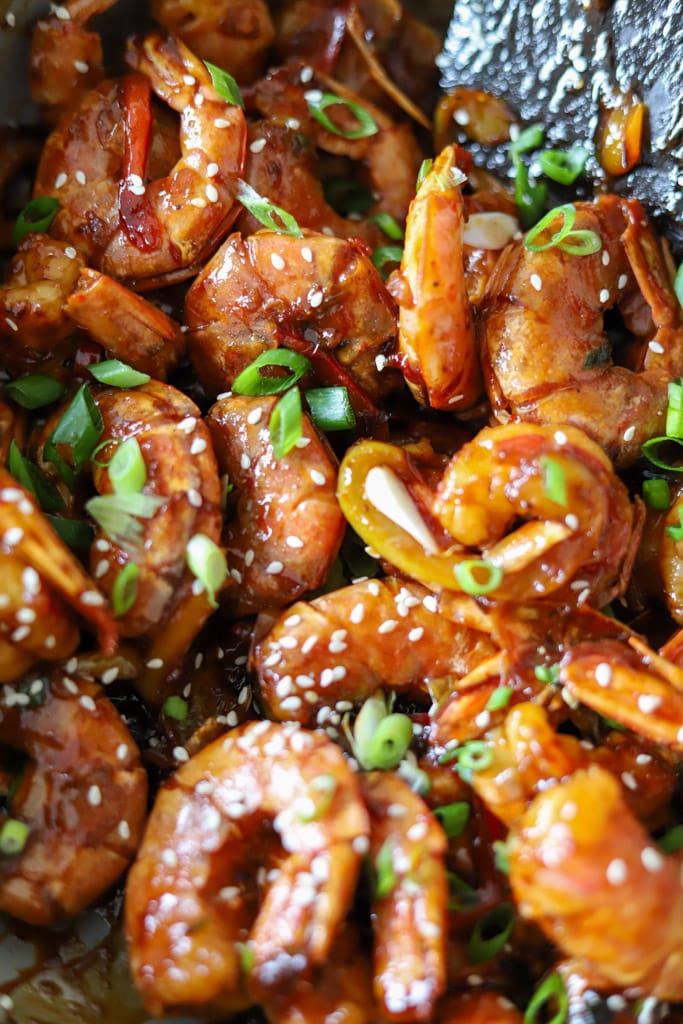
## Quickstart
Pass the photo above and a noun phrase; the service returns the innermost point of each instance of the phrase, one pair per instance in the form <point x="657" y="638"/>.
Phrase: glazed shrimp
<point x="45" y="590"/>
<point x="182" y="475"/>
<point x="668" y="555"/>
<point x="545" y="351"/>
<point x="314" y="291"/>
<point x="585" y="870"/>
<point x="233" y="34"/>
<point x="65" y="59"/>
<point x="190" y="907"/>
<point x="287" y="527"/>
<point x="340" y="648"/>
<point x="409" y="922"/>
<point x="146" y="231"/>
<point x="82" y="793"/>
<point x="578" y="539"/>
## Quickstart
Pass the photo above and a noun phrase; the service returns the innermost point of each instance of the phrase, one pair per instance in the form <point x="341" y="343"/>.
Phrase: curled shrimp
<point x="45" y="590"/>
<point x="546" y="354"/>
<point x="146" y="232"/>
<point x="66" y="59"/>
<point x="410" y="920"/>
<point x="587" y="872"/>
<point x="314" y="291"/>
<point x="287" y="527"/>
<point x="82" y="794"/>
<point x="198" y="938"/>
<point x="233" y="34"/>
<point x="578" y="538"/>
<point x="668" y="555"/>
<point x="341" y="647"/>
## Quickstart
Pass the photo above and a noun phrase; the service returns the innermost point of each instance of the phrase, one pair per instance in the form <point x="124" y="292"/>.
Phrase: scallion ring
<point x="13" y="837"/>
<point x="580" y="242"/>
<point x="384" y="254"/>
<point x="386" y="878"/>
<point x="116" y="374"/>
<point x="267" y="213"/>
<point x="127" y="469"/>
<point x="657" y="494"/>
<point x="674" y="409"/>
<point x="676" y="532"/>
<point x="330" y="408"/>
<point x="286" y="423"/>
<point x="208" y="564"/>
<point x="79" y="429"/>
<point x="388" y="224"/>
<point x="175" y="707"/>
<point x="225" y="85"/>
<point x="34" y="391"/>
<point x="528" y="139"/>
<point x="563" y="165"/>
<point x="473" y="756"/>
<point x="125" y="590"/>
<point x="671" y="841"/>
<point x="549" y="674"/>
<point x="424" y="169"/>
<point x="551" y="990"/>
<point x="389" y="742"/>
<point x="118" y="514"/>
<point x="453" y="817"/>
<point x="36" y="216"/>
<point x="318" y="102"/>
<point x="499" y="699"/>
<point x="554" y="480"/>
<point x="490" y="933"/>
<point x="650" y="451"/>
<point x="254" y="381"/>
<point x="477" y="577"/>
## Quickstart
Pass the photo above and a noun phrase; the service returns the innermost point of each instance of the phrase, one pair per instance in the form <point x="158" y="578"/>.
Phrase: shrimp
<point x="271" y="288"/>
<point x="546" y="354"/>
<point x="668" y="559"/>
<point x="146" y="232"/>
<point x="33" y="321"/>
<point x="82" y="793"/>
<point x="182" y="475"/>
<point x="579" y="539"/>
<point x="234" y="34"/>
<point x="317" y="658"/>
<point x="288" y="527"/>
<point x="127" y="326"/>
<point x="198" y="939"/>
<point x="585" y="870"/>
<point x="45" y="589"/>
<point x="65" y="59"/>
<point x="409" y="921"/>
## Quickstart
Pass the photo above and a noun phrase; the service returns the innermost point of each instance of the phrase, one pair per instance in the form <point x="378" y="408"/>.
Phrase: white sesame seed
<point x="257" y="145"/>
<point x="70" y="252"/>
<point x="292" y="620"/>
<point x="274" y="568"/>
<point x="26" y="615"/>
<point x="277" y="261"/>
<point x="616" y="1003"/>
<point x="255" y="415"/>
<point x="211" y="193"/>
<point x="652" y="859"/>
<point x="198" y="446"/>
<point x="6" y="1002"/>
<point x="92" y="598"/>
<point x="648" y="702"/>
<point x="60" y="12"/>
<point x="604" y="295"/>
<point x="11" y="20"/>
<point x="291" y="704"/>
<point x="629" y="780"/>
<point x="194" y="497"/>
<point x="169" y="858"/>
<point x="388" y="626"/>
<point x="656" y="347"/>
<point x="123" y="830"/>
<point x="189" y="80"/>
<point x="535" y="282"/>
<point x="80" y="177"/>
<point x="572" y="521"/>
<point x="245" y="461"/>
<point x="94" y="796"/>
<point x="623" y="281"/>
<point x="155" y="663"/>
<point x="560" y="437"/>
<point x="102" y="545"/>
<point x="629" y="433"/>
<point x="87" y="702"/>
<point x="308" y="644"/>
<point x="303" y="442"/>
<point x="122" y="751"/>
<point x="417" y="831"/>
<point x="294" y="542"/>
<point x="617" y="872"/>
<point x="60" y="180"/>
<point x="679" y="735"/>
<point x="316" y="299"/>
<point x="603" y="674"/>
<point x="187" y="424"/>
<point x="361" y="845"/>
<point x="643" y="759"/>
<point x="13" y="536"/>
<point x="220" y="122"/>
<point x="212" y="170"/>
<point x="50" y="641"/>
<point x="605" y="258"/>
<point x="416" y="634"/>
<point x="357" y="614"/>
<point x="198" y="201"/>
<point x="19" y="634"/>
<point x="248" y="557"/>
<point x="318" y="478"/>
<point x="180" y="754"/>
<point x="483" y="719"/>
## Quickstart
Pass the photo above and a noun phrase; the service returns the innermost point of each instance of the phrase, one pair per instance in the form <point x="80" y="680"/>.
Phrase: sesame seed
<point x="303" y="442"/>
<point x="616" y="1003"/>
<point x="92" y="598"/>
<point x="198" y="201"/>
<point x="560" y="437"/>
<point x="80" y="177"/>
<point x="189" y="80"/>
<point x="169" y="858"/>
<point x="6" y="1002"/>
<point x="122" y="751"/>
<point x="605" y="258"/>
<point x="648" y="702"/>
<point x="188" y="424"/>
<point x="603" y="674"/>
<point x="274" y="568"/>
<point x="109" y="675"/>
<point x="61" y="12"/>
<point x="357" y="614"/>
<point x="245" y="461"/>
<point x="318" y="478"/>
<point x="87" y="702"/>
<point x="60" y="180"/>
<point x="655" y="347"/>
<point x="294" y="542"/>
<point x="13" y="536"/>
<point x="50" y="641"/>
<point x="483" y="719"/>
<point x="604" y="295"/>
<point x="306" y="254"/>
<point x="292" y="620"/>
<point x="629" y="781"/>
<point x="94" y="796"/>
<point x="652" y="859"/>
<point x="617" y="872"/>
<point x="236" y="575"/>
<point x="198" y="446"/>
<point x="416" y="634"/>
<point x="220" y="122"/>
<point x="255" y="415"/>
<point x="19" y="634"/>
<point x="194" y="497"/>
<point x="257" y="145"/>
<point x="629" y="433"/>
<point x="180" y="754"/>
<point x="291" y="704"/>
<point x="316" y="299"/>
<point x="277" y="261"/>
<point x="461" y="117"/>
<point x="361" y="845"/>
<point x="212" y="170"/>
<point x="155" y="663"/>
<point x="308" y="644"/>
<point x="101" y="569"/>
<point x="70" y="252"/>
<point x="26" y="615"/>
<point x="123" y="830"/>
<point x="11" y="20"/>
<point x="535" y="282"/>
<point x="642" y="759"/>
<point x="679" y="735"/>
<point x="622" y="281"/>
<point x="211" y="193"/>
<point x="417" y="831"/>
<point x="572" y="521"/>
<point x="102" y="545"/>
<point x="388" y="626"/>
<point x="248" y="557"/>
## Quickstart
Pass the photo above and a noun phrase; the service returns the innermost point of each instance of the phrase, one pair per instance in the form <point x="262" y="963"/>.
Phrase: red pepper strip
<point x="136" y="213"/>
<point x="372" y="421"/>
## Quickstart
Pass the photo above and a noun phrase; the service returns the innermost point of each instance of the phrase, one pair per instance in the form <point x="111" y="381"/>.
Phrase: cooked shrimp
<point x="580" y="531"/>
<point x="409" y="921"/>
<point x="82" y="793"/>
<point x="335" y="651"/>
<point x="127" y="326"/>
<point x="65" y="59"/>
<point x="182" y="474"/>
<point x="667" y="557"/>
<point x="33" y="322"/>
<point x="198" y="940"/>
<point x="45" y="589"/>
<point x="272" y="288"/>
<point x="545" y="351"/>
<point x="585" y="870"/>
<point x="233" y="34"/>
<point x="146" y="232"/>
<point x="287" y="527"/>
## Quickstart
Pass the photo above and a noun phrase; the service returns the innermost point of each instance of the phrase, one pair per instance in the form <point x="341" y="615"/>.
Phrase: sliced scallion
<point x="674" y="409"/>
<point x="657" y="494"/>
<point x="499" y="699"/>
<point x="330" y="408"/>
<point x="286" y="423"/>
<point x="321" y="794"/>
<point x="425" y="168"/>
<point x="125" y="590"/>
<point x="73" y="532"/>
<point x="579" y="242"/>
<point x="552" y="990"/>
<point x="34" y="480"/>
<point x="678" y="285"/>
<point x="530" y="197"/>
<point x="225" y="85"/>
<point x="78" y="430"/>
<point x="453" y="817"/>
<point x="116" y="374"/>
<point x="254" y="381"/>
<point x="676" y="532"/>
<point x="318" y="102"/>
<point x="34" y="391"/>
<point x="208" y="564"/>
<point x="175" y="707"/>
<point x="13" y="837"/>
<point x="388" y="224"/>
<point x="118" y="514"/>
<point x="528" y="139"/>
<point x="554" y="480"/>
<point x="671" y="841"/>
<point x="651" y="452"/>
<point x="384" y="254"/>
<point x="127" y="469"/>
<point x="267" y="213"/>
<point x="390" y="742"/>
<point x="490" y="933"/>
<point x="548" y="673"/>
<point x="37" y="216"/>
<point x="386" y="878"/>
<point x="477" y="577"/>
<point x="563" y="165"/>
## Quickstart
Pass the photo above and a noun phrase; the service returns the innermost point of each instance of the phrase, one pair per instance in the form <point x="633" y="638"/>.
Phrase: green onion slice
<point x="331" y="408"/>
<point x="528" y="139"/>
<point x="118" y="514"/>
<point x="286" y="423"/>
<point x="530" y="198"/>
<point x="267" y="213"/>
<point x="318" y="102"/>
<point x="490" y="933"/>
<point x="425" y="168"/>
<point x="246" y="955"/>
<point x="388" y="224"/>
<point x="34" y="480"/>
<point x="469" y="575"/>
<point x="657" y="494"/>
<point x="548" y="673"/>
<point x="225" y="85"/>
<point x="253" y="381"/>
<point x="453" y="817"/>
<point x="563" y="165"/>
<point x="346" y="196"/>
<point x="551" y="991"/>
<point x="175" y="707"/>
<point x="389" y="743"/>
<point x="678" y="285"/>
<point x="37" y="215"/>
<point x="78" y="430"/>
<point x="13" y="837"/>
<point x="577" y="243"/>
<point x="73" y="532"/>
<point x="676" y="532"/>
<point x="501" y="856"/>
<point x="116" y="374"/>
<point x="127" y="469"/>
<point x="384" y="254"/>
<point x="499" y="699"/>
<point x="650" y="451"/>
<point x="34" y="391"/>
<point x="473" y="756"/>
<point x="671" y="841"/>
<point x="554" y="480"/>
<point x="208" y="564"/>
<point x="386" y="878"/>
<point x="674" y="409"/>
<point x="321" y="793"/>
<point x="462" y="896"/>
<point x="125" y="589"/>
